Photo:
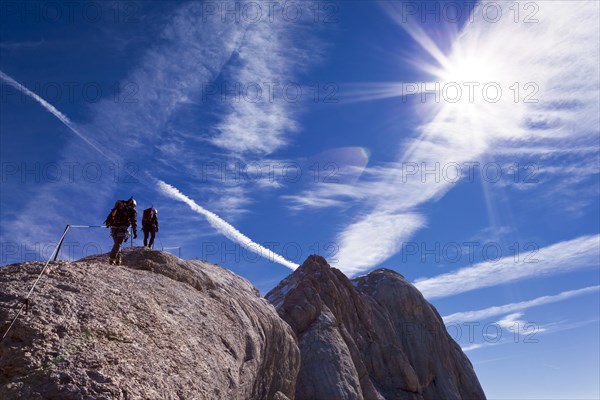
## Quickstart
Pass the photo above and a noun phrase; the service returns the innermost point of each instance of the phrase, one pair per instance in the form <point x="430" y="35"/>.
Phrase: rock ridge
<point x="372" y="337"/>
<point x="156" y="327"/>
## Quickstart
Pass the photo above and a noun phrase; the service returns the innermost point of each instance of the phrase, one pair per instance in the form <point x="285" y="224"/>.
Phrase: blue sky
<point x="453" y="143"/>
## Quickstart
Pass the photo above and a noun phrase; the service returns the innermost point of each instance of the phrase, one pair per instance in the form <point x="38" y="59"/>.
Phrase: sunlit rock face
<point x="373" y="337"/>
<point x="156" y="327"/>
<point x="160" y="327"/>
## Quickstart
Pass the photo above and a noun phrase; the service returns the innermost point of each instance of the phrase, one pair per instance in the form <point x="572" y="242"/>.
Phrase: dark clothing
<point x="150" y="220"/>
<point x="152" y="234"/>
<point x="124" y="216"/>
<point x="119" y="220"/>
<point x="149" y="226"/>
<point x="119" y="235"/>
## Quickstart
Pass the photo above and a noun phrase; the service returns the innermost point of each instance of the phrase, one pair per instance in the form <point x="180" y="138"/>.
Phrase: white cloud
<point x="515" y="324"/>
<point x="189" y="53"/>
<point x="489" y="312"/>
<point x="231" y="201"/>
<point x="266" y="63"/>
<point x="582" y="252"/>
<point x="529" y="332"/>
<point x="326" y="195"/>
<point x="373" y="238"/>
<point x="557" y="56"/>
<point x="471" y="347"/>
<point x="219" y="224"/>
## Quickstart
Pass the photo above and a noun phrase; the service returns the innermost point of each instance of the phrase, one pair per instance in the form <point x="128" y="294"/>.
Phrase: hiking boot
<point x="112" y="261"/>
<point x="118" y="261"/>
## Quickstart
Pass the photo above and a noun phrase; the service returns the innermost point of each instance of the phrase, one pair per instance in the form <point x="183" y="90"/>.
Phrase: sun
<point x="471" y="83"/>
<point x="468" y="68"/>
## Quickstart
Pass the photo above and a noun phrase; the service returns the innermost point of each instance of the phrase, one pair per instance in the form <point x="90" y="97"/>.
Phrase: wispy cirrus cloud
<point x="260" y="72"/>
<point x="176" y="107"/>
<point x="382" y="231"/>
<point x="187" y="53"/>
<point x="143" y="127"/>
<point x="529" y="329"/>
<point x="514" y="323"/>
<point x="490" y="312"/>
<point x="214" y="220"/>
<point x="242" y="70"/>
<point x="556" y="57"/>
<point x="582" y="252"/>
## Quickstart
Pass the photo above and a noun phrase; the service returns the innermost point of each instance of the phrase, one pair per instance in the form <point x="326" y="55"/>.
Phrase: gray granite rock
<point x="156" y="327"/>
<point x="374" y="337"/>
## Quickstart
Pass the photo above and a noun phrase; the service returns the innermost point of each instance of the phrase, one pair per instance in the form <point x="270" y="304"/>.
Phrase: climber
<point x="119" y="219"/>
<point x="150" y="225"/>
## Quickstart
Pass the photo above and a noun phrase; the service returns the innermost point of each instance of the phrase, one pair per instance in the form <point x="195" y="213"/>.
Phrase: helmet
<point x="132" y="202"/>
<point x="155" y="211"/>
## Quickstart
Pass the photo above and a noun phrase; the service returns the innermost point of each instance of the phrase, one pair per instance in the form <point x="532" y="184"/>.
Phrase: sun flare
<point x="469" y="68"/>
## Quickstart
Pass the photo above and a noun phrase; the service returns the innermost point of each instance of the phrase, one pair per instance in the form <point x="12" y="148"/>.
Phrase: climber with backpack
<point x="118" y="220"/>
<point x="150" y="225"/>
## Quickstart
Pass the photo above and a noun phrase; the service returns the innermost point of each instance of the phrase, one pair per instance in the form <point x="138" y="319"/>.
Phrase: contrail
<point x="62" y="117"/>
<point x="224" y="227"/>
<point x="213" y="219"/>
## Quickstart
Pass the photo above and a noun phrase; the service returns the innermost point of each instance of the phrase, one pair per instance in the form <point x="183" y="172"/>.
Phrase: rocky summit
<point x="373" y="337"/>
<point x="158" y="327"/>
